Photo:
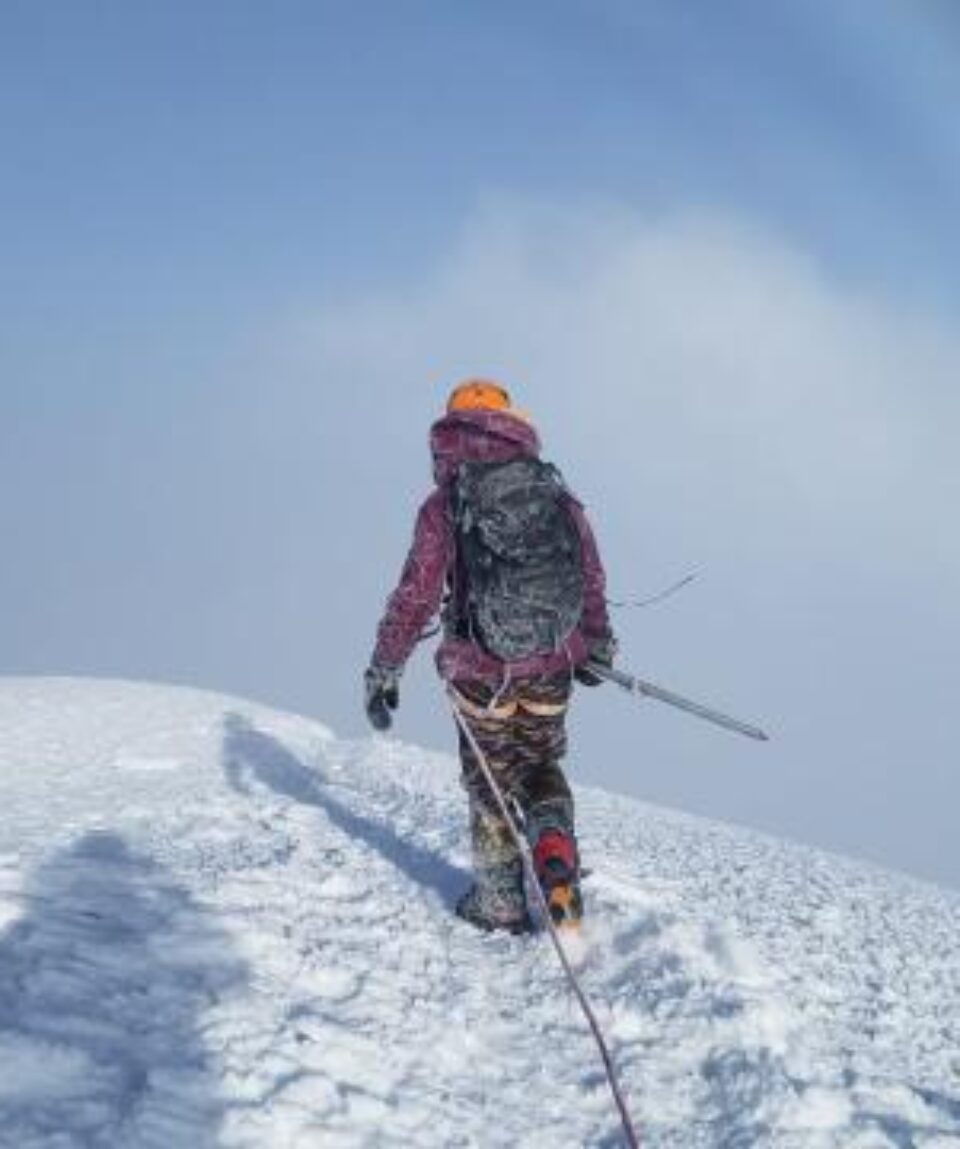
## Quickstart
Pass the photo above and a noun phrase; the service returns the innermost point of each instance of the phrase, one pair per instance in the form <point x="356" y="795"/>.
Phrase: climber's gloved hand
<point x="382" y="694"/>
<point x="602" y="650"/>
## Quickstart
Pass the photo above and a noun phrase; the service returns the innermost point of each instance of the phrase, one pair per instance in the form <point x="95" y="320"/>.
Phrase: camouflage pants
<point x="522" y="733"/>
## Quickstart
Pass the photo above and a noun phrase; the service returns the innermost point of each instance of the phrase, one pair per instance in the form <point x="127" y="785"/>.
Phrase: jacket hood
<point x="479" y="436"/>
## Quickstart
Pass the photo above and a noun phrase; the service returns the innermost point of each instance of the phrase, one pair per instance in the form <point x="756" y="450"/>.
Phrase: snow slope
<point x="222" y="926"/>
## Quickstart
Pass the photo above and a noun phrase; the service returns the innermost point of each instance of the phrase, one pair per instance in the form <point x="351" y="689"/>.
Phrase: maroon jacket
<point x="487" y="436"/>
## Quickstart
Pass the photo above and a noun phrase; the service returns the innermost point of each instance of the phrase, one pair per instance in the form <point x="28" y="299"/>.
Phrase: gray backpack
<point x="519" y="581"/>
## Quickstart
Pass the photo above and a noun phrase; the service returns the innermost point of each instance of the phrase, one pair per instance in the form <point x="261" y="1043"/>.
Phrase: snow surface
<point x="222" y="926"/>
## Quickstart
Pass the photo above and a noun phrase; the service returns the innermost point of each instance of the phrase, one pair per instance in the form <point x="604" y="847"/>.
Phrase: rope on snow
<point x="523" y="847"/>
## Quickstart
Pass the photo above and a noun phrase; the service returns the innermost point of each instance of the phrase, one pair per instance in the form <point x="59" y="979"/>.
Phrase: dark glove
<point x="603" y="650"/>
<point x="382" y="687"/>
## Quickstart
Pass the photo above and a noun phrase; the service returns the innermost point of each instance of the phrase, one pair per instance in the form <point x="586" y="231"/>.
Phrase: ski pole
<point x="634" y="685"/>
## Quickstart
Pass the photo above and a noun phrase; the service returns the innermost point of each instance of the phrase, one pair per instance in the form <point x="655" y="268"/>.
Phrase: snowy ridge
<point x="222" y="926"/>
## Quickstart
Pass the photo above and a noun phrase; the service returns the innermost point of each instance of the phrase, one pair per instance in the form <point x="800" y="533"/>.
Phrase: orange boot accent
<point x="566" y="906"/>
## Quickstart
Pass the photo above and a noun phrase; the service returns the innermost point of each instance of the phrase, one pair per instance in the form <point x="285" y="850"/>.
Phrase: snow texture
<point x="222" y="926"/>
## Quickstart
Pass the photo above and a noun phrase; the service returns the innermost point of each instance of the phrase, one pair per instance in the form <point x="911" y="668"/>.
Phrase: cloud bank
<point x="725" y="404"/>
<point x="690" y="353"/>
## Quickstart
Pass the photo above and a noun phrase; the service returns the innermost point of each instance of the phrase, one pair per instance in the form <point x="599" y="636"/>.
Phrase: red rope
<point x="523" y="847"/>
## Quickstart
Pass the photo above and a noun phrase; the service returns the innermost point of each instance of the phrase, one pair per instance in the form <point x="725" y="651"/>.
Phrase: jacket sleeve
<point x="595" y="621"/>
<point x="420" y="590"/>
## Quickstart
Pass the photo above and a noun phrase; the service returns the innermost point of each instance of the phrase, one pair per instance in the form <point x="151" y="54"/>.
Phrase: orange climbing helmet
<point x="479" y="395"/>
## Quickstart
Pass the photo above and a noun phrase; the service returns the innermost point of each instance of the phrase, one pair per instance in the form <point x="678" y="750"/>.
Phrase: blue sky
<point x="272" y="149"/>
<point x="247" y="247"/>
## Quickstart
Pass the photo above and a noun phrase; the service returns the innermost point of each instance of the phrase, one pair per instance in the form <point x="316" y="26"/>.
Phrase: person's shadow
<point x="250" y="753"/>
<point x="103" y="984"/>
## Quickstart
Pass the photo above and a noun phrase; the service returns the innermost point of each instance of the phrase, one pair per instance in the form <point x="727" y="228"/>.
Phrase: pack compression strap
<point x="523" y="847"/>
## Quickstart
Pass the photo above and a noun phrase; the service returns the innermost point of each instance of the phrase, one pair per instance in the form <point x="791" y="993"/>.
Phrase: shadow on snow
<point x="251" y="753"/>
<point x="103" y="984"/>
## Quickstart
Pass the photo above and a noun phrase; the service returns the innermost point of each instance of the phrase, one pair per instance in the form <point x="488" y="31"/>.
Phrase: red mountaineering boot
<point x="558" y="872"/>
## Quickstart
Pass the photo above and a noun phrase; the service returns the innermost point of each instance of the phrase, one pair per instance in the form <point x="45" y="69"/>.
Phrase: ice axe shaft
<point x="634" y="685"/>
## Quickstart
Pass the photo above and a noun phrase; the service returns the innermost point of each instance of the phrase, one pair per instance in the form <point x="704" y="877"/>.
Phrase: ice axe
<point x="634" y="685"/>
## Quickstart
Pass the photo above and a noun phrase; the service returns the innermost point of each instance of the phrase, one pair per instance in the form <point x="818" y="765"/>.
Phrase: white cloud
<point x="725" y="404"/>
<point x="692" y="355"/>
